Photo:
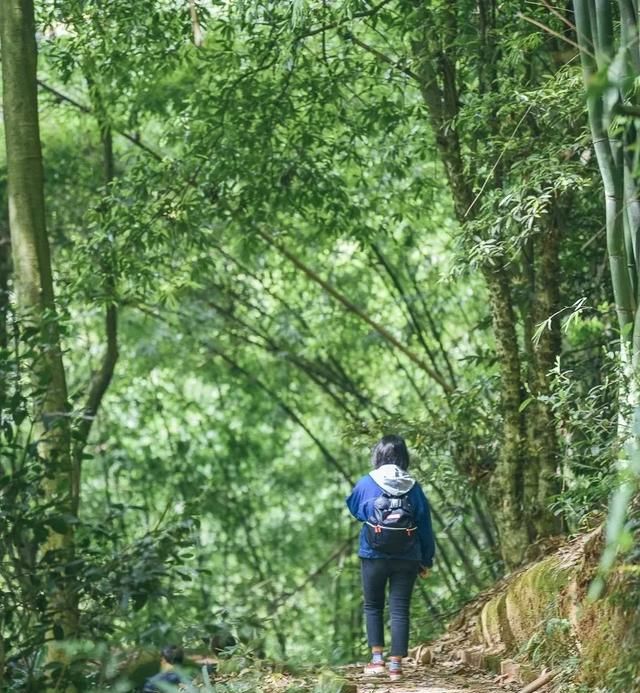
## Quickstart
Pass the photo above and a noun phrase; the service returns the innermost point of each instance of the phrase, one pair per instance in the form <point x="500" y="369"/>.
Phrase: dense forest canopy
<point x="262" y="235"/>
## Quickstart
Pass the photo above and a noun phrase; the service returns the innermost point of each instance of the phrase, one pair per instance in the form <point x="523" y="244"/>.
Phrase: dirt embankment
<point x="539" y="618"/>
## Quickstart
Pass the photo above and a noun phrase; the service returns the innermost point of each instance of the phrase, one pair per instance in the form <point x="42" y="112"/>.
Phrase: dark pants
<point x="401" y="576"/>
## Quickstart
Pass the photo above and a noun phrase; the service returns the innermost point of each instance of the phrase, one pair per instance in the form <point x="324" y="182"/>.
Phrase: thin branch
<point x="542" y="680"/>
<point x="433" y="609"/>
<point x="458" y="549"/>
<point x="413" y="318"/>
<point x="134" y="139"/>
<point x="484" y="521"/>
<point x="396" y="64"/>
<point x="437" y="335"/>
<point x="283" y="598"/>
<point x="310" y="369"/>
<point x="498" y="160"/>
<point x="352" y="308"/>
<point x="549" y="30"/>
<point x="102" y="378"/>
<point x="559" y="15"/>
<point x="628" y="109"/>
<point x="99" y="385"/>
<point x="336" y="25"/>
<point x="447" y="572"/>
<point x="319" y="372"/>
<point x="331" y="460"/>
<point x="486" y="556"/>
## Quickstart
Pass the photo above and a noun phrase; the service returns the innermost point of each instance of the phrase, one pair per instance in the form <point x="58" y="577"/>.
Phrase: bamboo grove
<point x="240" y="242"/>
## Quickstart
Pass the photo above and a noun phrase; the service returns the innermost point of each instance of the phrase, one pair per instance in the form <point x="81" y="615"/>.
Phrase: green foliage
<point x="245" y="398"/>
<point x="553" y="646"/>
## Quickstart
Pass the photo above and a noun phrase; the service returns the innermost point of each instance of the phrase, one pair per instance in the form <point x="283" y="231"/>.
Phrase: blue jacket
<point x="155" y="683"/>
<point x="360" y="504"/>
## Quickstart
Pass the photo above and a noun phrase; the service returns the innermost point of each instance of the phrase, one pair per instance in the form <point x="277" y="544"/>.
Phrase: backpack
<point x="391" y="528"/>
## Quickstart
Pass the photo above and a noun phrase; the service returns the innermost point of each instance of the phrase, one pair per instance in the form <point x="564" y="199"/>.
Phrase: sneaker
<point x="376" y="666"/>
<point x="395" y="670"/>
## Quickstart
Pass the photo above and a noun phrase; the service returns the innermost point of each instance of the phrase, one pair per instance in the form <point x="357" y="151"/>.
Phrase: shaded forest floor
<point x="432" y="679"/>
<point x="442" y="678"/>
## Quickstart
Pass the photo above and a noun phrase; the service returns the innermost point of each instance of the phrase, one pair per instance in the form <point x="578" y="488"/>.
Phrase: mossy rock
<point x="534" y="597"/>
<point x="609" y="632"/>
<point x="494" y="624"/>
<point x="477" y="636"/>
<point x="493" y="661"/>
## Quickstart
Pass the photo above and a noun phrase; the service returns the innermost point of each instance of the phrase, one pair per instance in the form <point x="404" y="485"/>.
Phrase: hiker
<point x="170" y="656"/>
<point x="396" y="545"/>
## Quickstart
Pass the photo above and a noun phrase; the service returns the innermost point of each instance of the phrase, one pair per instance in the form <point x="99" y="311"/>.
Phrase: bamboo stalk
<point x="608" y="154"/>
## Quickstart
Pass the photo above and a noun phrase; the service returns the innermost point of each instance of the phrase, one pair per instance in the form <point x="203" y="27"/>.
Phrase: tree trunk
<point x="543" y="437"/>
<point x="102" y="377"/>
<point x="505" y="486"/>
<point x="435" y="54"/>
<point x="5" y="271"/>
<point x="541" y="481"/>
<point x="33" y="280"/>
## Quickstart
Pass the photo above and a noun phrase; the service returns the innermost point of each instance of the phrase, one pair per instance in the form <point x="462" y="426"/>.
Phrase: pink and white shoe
<point x="375" y="667"/>
<point x="395" y="669"/>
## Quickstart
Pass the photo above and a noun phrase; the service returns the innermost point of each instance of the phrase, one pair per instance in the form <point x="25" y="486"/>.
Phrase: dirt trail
<point x="447" y="677"/>
<point x="432" y="679"/>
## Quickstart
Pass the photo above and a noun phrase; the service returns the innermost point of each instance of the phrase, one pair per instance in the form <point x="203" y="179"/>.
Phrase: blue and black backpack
<point x="391" y="528"/>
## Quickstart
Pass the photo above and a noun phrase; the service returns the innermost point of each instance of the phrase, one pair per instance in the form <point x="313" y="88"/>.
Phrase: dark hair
<point x="172" y="654"/>
<point x="390" y="450"/>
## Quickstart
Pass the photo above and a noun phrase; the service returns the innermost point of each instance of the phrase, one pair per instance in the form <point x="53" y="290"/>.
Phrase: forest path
<point x="432" y="679"/>
<point x="448" y="677"/>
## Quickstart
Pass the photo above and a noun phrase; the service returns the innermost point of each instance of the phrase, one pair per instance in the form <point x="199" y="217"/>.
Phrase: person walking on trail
<point x="170" y="657"/>
<point x="396" y="546"/>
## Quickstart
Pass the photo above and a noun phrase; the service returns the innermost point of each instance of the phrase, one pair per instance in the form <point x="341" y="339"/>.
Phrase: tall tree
<point x="5" y="272"/>
<point x="451" y="69"/>
<point x="33" y="281"/>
